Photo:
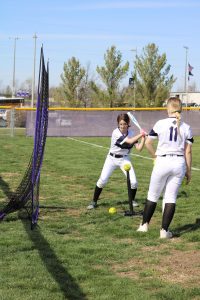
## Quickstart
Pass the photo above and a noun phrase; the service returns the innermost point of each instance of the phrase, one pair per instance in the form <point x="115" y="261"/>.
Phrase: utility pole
<point x="13" y="83"/>
<point x="33" y="79"/>
<point x="135" y="75"/>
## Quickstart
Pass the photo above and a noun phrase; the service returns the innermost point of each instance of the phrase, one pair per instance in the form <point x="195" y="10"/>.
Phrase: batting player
<point x="173" y="162"/>
<point x="122" y="141"/>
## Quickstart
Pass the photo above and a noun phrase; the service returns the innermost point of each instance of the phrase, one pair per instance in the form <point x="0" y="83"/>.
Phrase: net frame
<point x="41" y="126"/>
<point x="27" y="193"/>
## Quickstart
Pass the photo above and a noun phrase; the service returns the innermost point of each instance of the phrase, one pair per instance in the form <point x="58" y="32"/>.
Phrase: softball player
<point x="122" y="141"/>
<point x="173" y="162"/>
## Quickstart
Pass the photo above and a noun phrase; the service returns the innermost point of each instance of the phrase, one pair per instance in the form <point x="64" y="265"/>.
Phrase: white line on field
<point x="99" y="146"/>
<point x="83" y="142"/>
<point x="195" y="169"/>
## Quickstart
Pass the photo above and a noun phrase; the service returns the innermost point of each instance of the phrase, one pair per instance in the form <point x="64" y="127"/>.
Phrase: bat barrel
<point x="133" y="119"/>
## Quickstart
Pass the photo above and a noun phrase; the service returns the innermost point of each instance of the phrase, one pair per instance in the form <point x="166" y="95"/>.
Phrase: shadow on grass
<point x="56" y="207"/>
<point x="187" y="228"/>
<point x="5" y="187"/>
<point x="66" y="282"/>
<point x="182" y="194"/>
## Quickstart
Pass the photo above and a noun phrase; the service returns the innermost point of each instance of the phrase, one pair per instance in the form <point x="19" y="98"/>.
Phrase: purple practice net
<point x="27" y="194"/>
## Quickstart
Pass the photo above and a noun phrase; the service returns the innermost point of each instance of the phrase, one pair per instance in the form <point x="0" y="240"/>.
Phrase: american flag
<point x="190" y="68"/>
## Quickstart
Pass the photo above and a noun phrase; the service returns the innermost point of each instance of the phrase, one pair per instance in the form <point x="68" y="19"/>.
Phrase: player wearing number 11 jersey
<point x="173" y="162"/>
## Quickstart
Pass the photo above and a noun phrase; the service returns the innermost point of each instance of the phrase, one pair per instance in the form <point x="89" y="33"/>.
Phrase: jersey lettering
<point x="173" y="134"/>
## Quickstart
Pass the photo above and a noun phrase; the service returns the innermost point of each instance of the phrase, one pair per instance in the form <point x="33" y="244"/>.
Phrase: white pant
<point x="166" y="177"/>
<point x="111" y="163"/>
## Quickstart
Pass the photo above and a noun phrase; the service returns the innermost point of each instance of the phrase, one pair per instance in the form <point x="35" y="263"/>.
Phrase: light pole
<point x="186" y="68"/>
<point x="134" y="94"/>
<point x="13" y="84"/>
<point x="33" y="79"/>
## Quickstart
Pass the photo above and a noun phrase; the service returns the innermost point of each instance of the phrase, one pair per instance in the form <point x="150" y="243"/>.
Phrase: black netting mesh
<point x="27" y="193"/>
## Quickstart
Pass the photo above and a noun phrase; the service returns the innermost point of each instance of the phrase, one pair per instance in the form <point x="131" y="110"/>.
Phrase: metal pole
<point x="33" y="79"/>
<point x="12" y="121"/>
<point x="186" y="68"/>
<point x="186" y="74"/>
<point x="13" y="83"/>
<point x="134" y="94"/>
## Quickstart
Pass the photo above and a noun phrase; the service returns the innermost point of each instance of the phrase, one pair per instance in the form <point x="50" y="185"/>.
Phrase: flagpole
<point x="186" y="67"/>
<point x="135" y="75"/>
<point x="186" y="72"/>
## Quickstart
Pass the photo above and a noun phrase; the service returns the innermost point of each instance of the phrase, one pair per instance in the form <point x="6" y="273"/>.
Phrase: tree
<point x="27" y="85"/>
<point x="112" y="73"/>
<point x="192" y="87"/>
<point x="8" y="91"/>
<point x="99" y="97"/>
<point x="72" y="77"/>
<point x="56" y="96"/>
<point x="85" y="88"/>
<point x="153" y="82"/>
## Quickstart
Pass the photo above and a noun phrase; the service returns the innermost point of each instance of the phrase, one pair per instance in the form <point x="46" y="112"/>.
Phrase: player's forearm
<point x="188" y="173"/>
<point x="140" y="146"/>
<point x="189" y="162"/>
<point x="133" y="139"/>
<point x="188" y="159"/>
<point x="150" y="147"/>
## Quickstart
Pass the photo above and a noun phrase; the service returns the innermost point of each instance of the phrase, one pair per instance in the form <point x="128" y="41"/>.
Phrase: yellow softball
<point x="112" y="210"/>
<point x="127" y="167"/>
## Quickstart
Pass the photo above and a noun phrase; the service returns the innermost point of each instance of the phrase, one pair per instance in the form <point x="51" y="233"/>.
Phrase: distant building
<point x="17" y="101"/>
<point x="188" y="99"/>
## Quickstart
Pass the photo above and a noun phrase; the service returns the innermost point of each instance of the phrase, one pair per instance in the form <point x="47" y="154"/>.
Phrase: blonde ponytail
<point x="178" y="122"/>
<point x="175" y="107"/>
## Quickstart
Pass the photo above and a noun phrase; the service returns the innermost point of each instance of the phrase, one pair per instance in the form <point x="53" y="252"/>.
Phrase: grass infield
<point x="78" y="254"/>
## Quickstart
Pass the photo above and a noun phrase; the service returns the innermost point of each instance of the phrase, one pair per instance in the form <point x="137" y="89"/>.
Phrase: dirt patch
<point x="179" y="267"/>
<point x="75" y="212"/>
<point x="8" y="175"/>
<point x="47" y="211"/>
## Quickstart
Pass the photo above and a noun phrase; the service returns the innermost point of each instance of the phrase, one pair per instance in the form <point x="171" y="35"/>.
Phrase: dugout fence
<point x="91" y="122"/>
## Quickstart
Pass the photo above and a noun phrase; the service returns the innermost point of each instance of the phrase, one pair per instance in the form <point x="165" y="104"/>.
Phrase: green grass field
<point x="78" y="254"/>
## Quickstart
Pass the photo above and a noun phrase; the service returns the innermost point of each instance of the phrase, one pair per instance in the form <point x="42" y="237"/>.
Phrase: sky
<point x="85" y="29"/>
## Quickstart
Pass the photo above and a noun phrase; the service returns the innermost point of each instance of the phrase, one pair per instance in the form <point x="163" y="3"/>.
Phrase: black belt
<point x="172" y="155"/>
<point x="117" y="155"/>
